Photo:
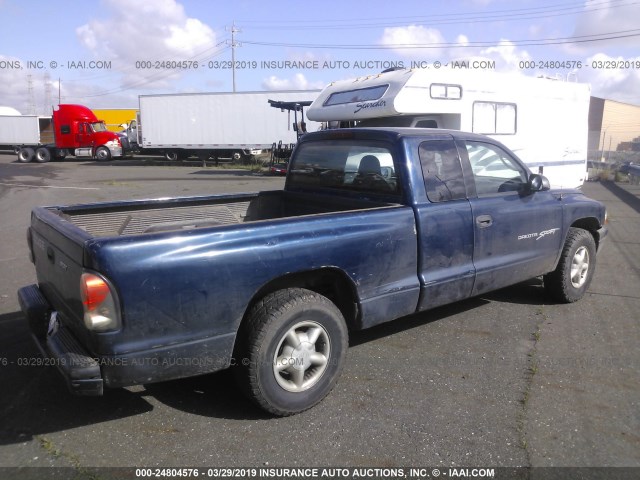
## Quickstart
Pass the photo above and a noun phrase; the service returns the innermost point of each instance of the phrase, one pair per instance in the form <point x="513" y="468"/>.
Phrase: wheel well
<point x="591" y="225"/>
<point x="329" y="282"/>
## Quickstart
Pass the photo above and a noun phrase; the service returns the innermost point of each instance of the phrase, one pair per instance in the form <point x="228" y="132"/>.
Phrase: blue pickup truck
<point x="372" y="225"/>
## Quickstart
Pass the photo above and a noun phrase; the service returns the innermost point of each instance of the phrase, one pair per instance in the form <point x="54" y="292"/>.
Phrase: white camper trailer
<point x="545" y="121"/>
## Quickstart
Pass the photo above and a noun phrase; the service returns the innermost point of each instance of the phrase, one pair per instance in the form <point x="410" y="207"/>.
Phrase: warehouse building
<point x="614" y="129"/>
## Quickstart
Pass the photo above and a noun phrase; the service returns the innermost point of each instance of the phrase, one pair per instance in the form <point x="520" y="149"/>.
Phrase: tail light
<point x="98" y="301"/>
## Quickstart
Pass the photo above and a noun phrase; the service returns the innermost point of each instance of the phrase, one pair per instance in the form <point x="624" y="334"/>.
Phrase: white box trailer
<point x="544" y="121"/>
<point x="20" y="130"/>
<point x="220" y="125"/>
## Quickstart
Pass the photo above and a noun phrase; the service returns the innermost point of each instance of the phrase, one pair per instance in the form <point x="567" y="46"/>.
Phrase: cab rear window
<point x="345" y="164"/>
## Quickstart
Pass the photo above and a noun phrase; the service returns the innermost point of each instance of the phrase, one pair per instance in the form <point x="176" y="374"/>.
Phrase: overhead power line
<point x="484" y="44"/>
<point x="511" y="15"/>
<point x="141" y="83"/>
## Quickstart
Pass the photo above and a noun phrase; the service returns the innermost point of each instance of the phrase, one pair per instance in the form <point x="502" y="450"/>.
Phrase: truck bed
<point x="151" y="216"/>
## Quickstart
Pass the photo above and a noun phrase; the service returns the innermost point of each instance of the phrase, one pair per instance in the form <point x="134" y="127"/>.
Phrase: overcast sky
<point x="135" y="44"/>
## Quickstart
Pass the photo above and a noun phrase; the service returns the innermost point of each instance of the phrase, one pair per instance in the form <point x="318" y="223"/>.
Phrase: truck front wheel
<point x="295" y="344"/>
<point x="572" y="277"/>
<point x="103" y="154"/>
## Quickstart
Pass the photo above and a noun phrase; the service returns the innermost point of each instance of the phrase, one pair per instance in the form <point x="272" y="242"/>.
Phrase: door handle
<point x="484" y="221"/>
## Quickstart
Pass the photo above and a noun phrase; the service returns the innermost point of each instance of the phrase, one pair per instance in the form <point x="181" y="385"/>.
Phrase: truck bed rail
<point x="123" y="223"/>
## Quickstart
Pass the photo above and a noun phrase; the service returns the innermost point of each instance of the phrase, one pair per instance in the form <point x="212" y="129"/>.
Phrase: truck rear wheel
<point x="43" y="155"/>
<point x="570" y="280"/>
<point x="26" y="154"/>
<point x="171" y="155"/>
<point x="295" y="344"/>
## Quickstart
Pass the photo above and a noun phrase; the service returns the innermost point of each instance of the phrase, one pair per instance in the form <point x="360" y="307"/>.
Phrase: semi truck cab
<point x="78" y="130"/>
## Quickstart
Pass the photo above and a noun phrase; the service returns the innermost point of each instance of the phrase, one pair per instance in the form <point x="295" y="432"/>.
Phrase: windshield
<point x="99" y="127"/>
<point x="345" y="164"/>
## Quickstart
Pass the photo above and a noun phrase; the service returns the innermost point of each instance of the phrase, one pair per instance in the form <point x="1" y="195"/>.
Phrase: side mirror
<point x="538" y="183"/>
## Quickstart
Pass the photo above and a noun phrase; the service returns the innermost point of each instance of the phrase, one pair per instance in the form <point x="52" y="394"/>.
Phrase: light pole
<point x="604" y="135"/>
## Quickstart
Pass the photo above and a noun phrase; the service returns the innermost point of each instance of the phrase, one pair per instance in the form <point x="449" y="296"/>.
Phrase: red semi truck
<point x="76" y="132"/>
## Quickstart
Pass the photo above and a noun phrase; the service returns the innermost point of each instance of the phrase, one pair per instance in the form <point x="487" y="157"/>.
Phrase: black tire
<point x="572" y="277"/>
<point x="103" y="154"/>
<point x="43" y="155"/>
<point x="171" y="155"/>
<point x="279" y="378"/>
<point x="26" y="154"/>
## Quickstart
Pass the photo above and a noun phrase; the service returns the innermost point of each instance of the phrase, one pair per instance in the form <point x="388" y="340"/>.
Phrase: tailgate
<point x="57" y="247"/>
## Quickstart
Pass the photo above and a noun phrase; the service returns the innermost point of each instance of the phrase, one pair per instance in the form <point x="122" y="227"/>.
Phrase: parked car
<point x="278" y="169"/>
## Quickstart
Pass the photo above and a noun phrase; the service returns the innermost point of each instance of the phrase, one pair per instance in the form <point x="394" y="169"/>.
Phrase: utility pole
<point x="604" y="135"/>
<point x="234" y="30"/>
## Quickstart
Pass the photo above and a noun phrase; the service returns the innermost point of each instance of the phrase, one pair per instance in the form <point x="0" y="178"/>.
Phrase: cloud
<point x="605" y="17"/>
<point x="129" y="31"/>
<point x="414" y="35"/>
<point x="619" y="84"/>
<point x="13" y="76"/>
<point x="507" y="55"/>
<point x="298" y="82"/>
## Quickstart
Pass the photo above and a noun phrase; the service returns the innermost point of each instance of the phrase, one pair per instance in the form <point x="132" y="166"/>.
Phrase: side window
<point x="65" y="129"/>
<point x="442" y="170"/>
<point x="494" y="170"/>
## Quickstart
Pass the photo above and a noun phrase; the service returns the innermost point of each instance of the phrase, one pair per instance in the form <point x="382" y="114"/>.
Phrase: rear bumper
<point x="87" y="374"/>
<point x="79" y="369"/>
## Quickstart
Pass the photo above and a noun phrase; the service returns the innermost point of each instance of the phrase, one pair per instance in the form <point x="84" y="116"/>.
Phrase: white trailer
<point x="218" y="125"/>
<point x="19" y="130"/>
<point x="545" y="121"/>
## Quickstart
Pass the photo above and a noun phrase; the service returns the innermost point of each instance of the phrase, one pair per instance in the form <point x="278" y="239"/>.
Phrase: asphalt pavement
<point x="509" y="379"/>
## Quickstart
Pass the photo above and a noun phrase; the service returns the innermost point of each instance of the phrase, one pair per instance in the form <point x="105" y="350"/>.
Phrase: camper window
<point x="492" y="118"/>
<point x="444" y="91"/>
<point x="358" y="95"/>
